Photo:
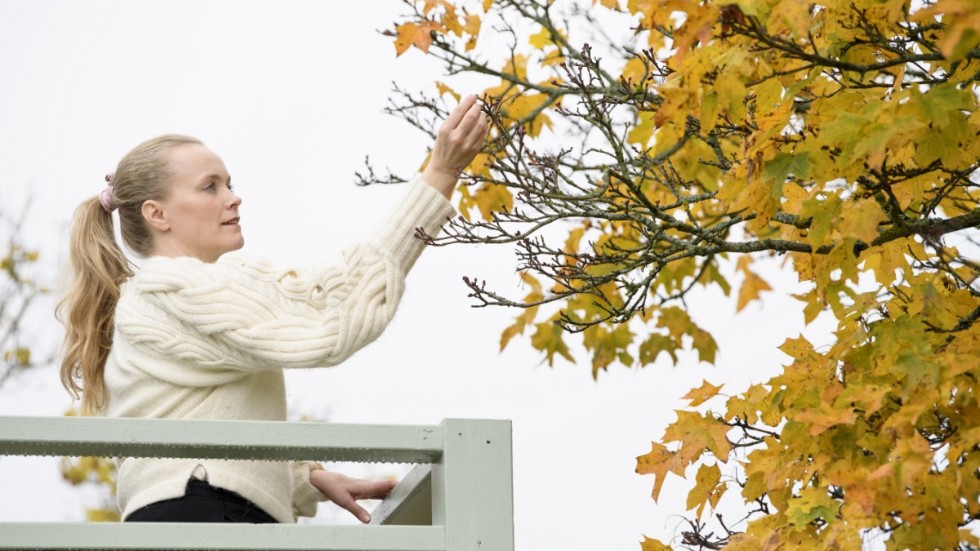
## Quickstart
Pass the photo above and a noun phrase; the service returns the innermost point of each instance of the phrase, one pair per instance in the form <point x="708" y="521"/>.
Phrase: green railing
<point x="459" y="496"/>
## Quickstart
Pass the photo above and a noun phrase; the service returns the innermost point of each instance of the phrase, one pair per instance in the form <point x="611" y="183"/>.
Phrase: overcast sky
<point x="290" y="94"/>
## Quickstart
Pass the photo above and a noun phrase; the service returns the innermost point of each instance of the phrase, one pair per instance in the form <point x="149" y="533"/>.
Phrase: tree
<point x="19" y="290"/>
<point x="685" y="138"/>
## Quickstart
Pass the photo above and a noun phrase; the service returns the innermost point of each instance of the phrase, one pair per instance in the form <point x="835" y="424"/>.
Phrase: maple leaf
<point x="702" y="394"/>
<point x="444" y="89"/>
<point x="704" y="492"/>
<point x="752" y="286"/>
<point x="814" y="503"/>
<point x="825" y="416"/>
<point x="649" y="544"/>
<point x="548" y="339"/>
<point x="415" y="34"/>
<point x="699" y="433"/>
<point x="659" y="461"/>
<point x="862" y="219"/>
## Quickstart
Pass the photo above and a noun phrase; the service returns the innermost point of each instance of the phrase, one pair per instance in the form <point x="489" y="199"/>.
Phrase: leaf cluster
<point x="632" y="167"/>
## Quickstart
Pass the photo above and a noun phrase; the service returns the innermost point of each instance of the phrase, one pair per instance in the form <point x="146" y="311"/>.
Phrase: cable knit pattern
<point x="195" y="340"/>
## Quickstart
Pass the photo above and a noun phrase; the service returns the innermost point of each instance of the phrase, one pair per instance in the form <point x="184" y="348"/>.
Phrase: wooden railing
<point x="458" y="497"/>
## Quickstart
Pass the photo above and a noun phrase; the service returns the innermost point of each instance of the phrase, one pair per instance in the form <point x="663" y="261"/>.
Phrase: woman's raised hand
<point x="459" y="139"/>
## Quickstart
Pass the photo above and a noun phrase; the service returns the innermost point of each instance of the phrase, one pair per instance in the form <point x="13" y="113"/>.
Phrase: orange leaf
<point x="415" y="34"/>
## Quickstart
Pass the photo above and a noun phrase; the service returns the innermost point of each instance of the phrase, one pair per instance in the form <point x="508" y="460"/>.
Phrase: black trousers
<point x="202" y="502"/>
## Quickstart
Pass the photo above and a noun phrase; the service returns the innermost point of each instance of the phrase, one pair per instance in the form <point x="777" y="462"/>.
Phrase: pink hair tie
<point x="108" y="195"/>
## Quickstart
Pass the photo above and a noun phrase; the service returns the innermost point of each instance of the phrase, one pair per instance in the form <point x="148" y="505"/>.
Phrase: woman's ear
<point x="155" y="215"/>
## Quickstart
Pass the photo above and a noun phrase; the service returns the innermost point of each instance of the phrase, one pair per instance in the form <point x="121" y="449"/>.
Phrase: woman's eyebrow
<point x="215" y="175"/>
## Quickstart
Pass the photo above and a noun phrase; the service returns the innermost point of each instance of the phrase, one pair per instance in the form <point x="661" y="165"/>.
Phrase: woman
<point x="189" y="336"/>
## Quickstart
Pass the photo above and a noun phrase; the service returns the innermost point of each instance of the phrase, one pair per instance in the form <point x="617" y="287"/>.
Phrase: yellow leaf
<point x="824" y="416"/>
<point x="517" y="66"/>
<point x="547" y="338"/>
<point x="750" y="290"/>
<point x="472" y="28"/>
<point x="491" y="198"/>
<point x="798" y="348"/>
<point x="666" y="138"/>
<point x="486" y="5"/>
<point x="542" y="39"/>
<point x="702" y="394"/>
<point x="425" y="162"/>
<point x="480" y="166"/>
<point x="812" y="504"/>
<point x="102" y="515"/>
<point x="529" y="109"/>
<point x="860" y="220"/>
<point x="648" y="544"/>
<point x="451" y="21"/>
<point x="526" y="317"/>
<point x="635" y="71"/>
<point x="429" y="5"/>
<point x="704" y="489"/>
<point x="698" y="433"/>
<point x="444" y="89"/>
<point x="885" y="259"/>
<point x="642" y="131"/>
<point x="658" y="462"/>
<point x="552" y="56"/>
<point x="752" y="285"/>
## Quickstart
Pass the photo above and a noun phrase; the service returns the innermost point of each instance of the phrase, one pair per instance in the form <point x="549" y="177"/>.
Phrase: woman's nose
<point x="236" y="201"/>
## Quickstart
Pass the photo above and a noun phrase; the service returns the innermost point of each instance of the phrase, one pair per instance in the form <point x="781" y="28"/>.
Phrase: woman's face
<point x="201" y="212"/>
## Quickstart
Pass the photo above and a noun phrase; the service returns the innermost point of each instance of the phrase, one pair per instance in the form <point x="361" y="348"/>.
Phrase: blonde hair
<point x="99" y="266"/>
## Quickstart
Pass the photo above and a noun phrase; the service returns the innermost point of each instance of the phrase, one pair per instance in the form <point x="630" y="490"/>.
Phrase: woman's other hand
<point x="345" y="491"/>
<point x="459" y="139"/>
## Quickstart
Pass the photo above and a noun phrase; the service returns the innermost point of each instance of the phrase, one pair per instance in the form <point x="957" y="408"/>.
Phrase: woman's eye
<point x="209" y="187"/>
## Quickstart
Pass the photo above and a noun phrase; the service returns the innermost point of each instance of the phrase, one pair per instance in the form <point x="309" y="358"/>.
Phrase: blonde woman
<point x="191" y="335"/>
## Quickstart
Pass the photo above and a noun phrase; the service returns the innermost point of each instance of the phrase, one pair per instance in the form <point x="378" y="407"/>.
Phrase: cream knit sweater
<point x="209" y="341"/>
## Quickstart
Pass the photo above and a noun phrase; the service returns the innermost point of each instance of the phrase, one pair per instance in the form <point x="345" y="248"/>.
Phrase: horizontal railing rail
<point x="459" y="497"/>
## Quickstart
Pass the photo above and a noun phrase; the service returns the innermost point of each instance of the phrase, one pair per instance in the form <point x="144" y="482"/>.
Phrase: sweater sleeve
<point x="305" y="495"/>
<point x="248" y="315"/>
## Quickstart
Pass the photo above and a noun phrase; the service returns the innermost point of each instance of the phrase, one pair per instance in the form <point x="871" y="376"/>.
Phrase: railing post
<point x="472" y="486"/>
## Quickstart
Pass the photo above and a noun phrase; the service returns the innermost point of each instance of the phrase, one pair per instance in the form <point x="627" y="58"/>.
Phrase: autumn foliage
<point x="644" y="149"/>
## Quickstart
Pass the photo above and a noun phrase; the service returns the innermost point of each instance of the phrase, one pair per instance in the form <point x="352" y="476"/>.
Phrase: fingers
<point x="374" y="489"/>
<point x="365" y="489"/>
<point x="471" y="124"/>
<point x="452" y="121"/>
<point x="355" y="509"/>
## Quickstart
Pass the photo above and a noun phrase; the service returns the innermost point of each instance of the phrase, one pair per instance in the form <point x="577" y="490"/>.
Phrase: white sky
<point x="290" y="94"/>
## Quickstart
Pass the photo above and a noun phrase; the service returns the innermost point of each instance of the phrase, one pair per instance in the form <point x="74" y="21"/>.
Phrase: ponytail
<point x="88" y="308"/>
<point x="100" y="267"/>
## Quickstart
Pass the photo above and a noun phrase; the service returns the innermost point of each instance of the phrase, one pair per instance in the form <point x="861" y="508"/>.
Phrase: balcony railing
<point x="458" y="497"/>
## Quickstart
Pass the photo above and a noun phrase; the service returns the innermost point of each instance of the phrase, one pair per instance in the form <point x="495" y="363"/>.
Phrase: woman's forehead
<point x="195" y="160"/>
